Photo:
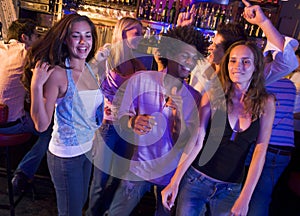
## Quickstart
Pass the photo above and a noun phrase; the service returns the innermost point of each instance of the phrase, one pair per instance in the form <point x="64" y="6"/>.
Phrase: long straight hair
<point x="120" y="51"/>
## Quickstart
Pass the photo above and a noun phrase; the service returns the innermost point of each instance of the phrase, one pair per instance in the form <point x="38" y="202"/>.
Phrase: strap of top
<point x="67" y="62"/>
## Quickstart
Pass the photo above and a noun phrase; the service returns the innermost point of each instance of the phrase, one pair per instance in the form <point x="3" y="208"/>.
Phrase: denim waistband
<point x="211" y="178"/>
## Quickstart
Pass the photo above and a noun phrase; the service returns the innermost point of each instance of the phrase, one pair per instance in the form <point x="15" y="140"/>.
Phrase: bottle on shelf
<point x="147" y="9"/>
<point x="159" y="12"/>
<point x="204" y="17"/>
<point x="222" y="16"/>
<point x="229" y="16"/>
<point x="142" y="8"/>
<point x="198" y="16"/>
<point x="152" y="15"/>
<point x="172" y="15"/>
<point x="210" y="18"/>
<point x="215" y="19"/>
<point x="165" y="13"/>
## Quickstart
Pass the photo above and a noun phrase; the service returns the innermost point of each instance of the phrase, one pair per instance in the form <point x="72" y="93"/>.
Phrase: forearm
<point x="255" y="169"/>
<point x="272" y="34"/>
<point x="188" y="156"/>
<point x="38" y="110"/>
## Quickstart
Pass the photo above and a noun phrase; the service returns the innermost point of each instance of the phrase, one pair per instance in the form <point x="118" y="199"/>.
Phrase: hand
<point x="186" y="18"/>
<point x="142" y="124"/>
<point x="174" y="101"/>
<point x="169" y="194"/>
<point x="41" y="73"/>
<point x="240" y="207"/>
<point x="253" y="13"/>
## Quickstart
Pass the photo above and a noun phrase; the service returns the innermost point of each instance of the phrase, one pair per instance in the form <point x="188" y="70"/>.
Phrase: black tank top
<point x="228" y="161"/>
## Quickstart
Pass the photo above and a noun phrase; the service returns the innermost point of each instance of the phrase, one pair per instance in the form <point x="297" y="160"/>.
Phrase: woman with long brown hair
<point x="216" y="181"/>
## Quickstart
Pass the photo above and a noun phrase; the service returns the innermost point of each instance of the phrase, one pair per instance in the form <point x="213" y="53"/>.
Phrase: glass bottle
<point x="159" y="12"/>
<point x="141" y="9"/>
<point x="165" y="13"/>
<point x="172" y="15"/>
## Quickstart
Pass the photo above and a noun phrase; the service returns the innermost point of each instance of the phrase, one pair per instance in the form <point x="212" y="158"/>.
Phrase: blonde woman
<point x="119" y="63"/>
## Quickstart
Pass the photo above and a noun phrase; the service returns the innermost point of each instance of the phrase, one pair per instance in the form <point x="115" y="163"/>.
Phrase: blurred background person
<point x="22" y="34"/>
<point x="119" y="63"/>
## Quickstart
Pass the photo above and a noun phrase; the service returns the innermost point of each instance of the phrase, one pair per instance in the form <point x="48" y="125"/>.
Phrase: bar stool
<point x="7" y="141"/>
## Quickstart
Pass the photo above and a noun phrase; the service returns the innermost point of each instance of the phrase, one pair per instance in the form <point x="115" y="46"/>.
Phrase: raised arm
<point x="281" y="47"/>
<point x="186" y="18"/>
<point x="189" y="154"/>
<point x="254" y="15"/>
<point x="44" y="92"/>
<point x="258" y="159"/>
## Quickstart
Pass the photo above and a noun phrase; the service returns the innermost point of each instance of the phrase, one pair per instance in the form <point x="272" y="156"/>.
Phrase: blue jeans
<point x="262" y="195"/>
<point x="70" y="177"/>
<point x="106" y="168"/>
<point x="31" y="161"/>
<point x="128" y="195"/>
<point x="199" y="194"/>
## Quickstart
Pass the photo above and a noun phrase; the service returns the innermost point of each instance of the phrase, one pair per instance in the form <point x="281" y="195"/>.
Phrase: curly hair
<point x="186" y="34"/>
<point x="53" y="49"/>
<point x="231" y="33"/>
<point x="256" y="94"/>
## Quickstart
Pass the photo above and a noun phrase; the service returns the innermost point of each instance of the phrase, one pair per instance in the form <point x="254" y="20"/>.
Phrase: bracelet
<point x="131" y="122"/>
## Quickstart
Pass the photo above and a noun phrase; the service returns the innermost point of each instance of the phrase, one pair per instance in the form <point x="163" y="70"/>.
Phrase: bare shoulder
<point x="58" y="75"/>
<point x="58" y="79"/>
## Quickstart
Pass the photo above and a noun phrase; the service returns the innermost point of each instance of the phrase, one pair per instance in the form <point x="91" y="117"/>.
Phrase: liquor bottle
<point x="229" y="17"/>
<point x="210" y="18"/>
<point x="141" y="9"/>
<point x="198" y="16"/>
<point x="159" y="12"/>
<point x="204" y="17"/>
<point x="147" y="10"/>
<point x="172" y="15"/>
<point x="222" y="17"/>
<point x="165" y="13"/>
<point x="215" y="19"/>
<point x="152" y="12"/>
<point x="259" y="32"/>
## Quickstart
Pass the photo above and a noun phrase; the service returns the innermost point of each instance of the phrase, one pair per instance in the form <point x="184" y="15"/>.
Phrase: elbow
<point x="40" y="127"/>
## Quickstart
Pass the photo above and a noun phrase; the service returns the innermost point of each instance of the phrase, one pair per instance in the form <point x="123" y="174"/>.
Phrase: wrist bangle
<point x="131" y="122"/>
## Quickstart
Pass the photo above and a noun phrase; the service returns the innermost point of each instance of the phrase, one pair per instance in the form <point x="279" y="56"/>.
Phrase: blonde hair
<point x="120" y="52"/>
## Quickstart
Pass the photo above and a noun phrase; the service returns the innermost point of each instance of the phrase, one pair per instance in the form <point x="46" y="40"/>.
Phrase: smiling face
<point x="80" y="40"/>
<point x="241" y="65"/>
<point x="182" y="62"/>
<point x="133" y="36"/>
<point x="216" y="50"/>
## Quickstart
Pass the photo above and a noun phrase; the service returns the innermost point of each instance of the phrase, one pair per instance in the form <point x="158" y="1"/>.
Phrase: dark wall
<point x="289" y="22"/>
